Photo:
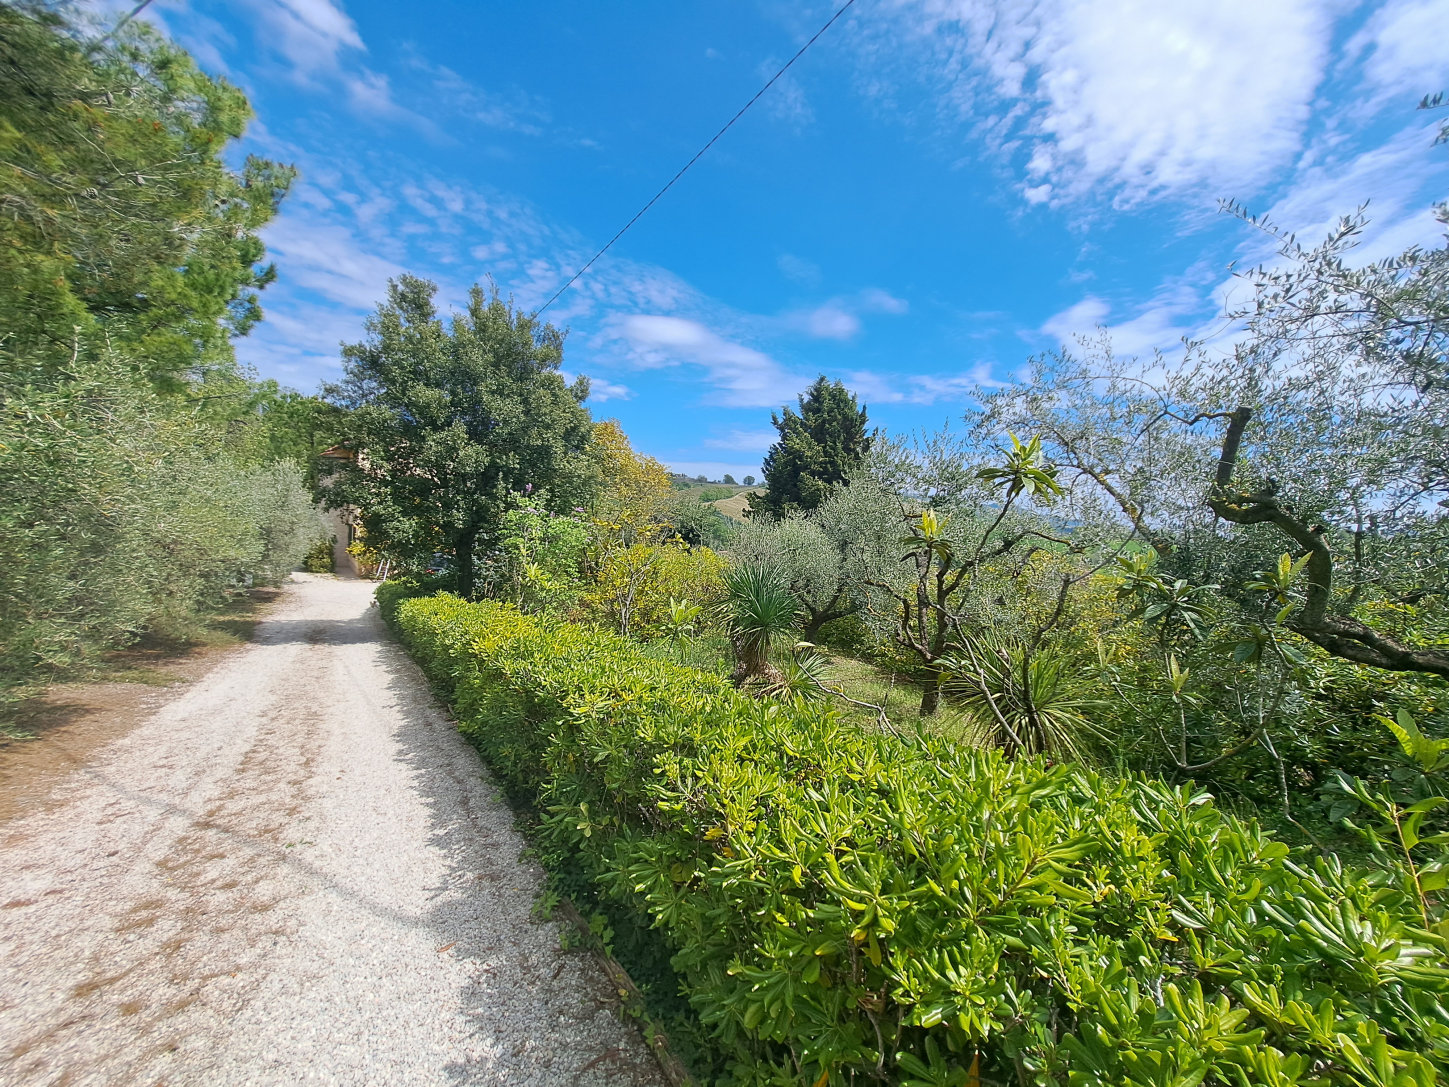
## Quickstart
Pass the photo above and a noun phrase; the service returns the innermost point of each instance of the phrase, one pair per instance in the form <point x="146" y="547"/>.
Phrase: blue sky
<point x="937" y="190"/>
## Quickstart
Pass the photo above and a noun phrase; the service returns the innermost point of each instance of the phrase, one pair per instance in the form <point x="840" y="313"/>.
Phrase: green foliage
<point x="1418" y="793"/>
<point x="817" y="451"/>
<point x="141" y="475"/>
<point x="122" y="511"/>
<point x="634" y="587"/>
<point x="122" y="215"/>
<point x="757" y="611"/>
<point x="539" y="560"/>
<point x="1020" y="699"/>
<point x="698" y="524"/>
<point x="830" y="556"/>
<point x="452" y="422"/>
<point x="846" y="906"/>
<point x="320" y="559"/>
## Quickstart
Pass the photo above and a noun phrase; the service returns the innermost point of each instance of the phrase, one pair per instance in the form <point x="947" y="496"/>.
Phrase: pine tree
<point x="816" y="452"/>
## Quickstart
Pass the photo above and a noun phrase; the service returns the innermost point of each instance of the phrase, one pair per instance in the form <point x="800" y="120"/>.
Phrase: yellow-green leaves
<point x="1024" y="471"/>
<point x="841" y="906"/>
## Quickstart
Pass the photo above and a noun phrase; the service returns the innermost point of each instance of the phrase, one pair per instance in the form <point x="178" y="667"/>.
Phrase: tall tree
<point x="450" y="422"/>
<point x="816" y="452"/>
<point x="120" y="212"/>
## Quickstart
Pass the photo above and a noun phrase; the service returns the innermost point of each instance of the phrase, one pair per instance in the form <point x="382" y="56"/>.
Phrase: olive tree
<point x="830" y="556"/>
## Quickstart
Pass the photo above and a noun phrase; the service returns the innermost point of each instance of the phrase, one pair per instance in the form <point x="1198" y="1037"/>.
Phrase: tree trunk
<point x="931" y="696"/>
<point x="463" y="545"/>
<point x="753" y="667"/>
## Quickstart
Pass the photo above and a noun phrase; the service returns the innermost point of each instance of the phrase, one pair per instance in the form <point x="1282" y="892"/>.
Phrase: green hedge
<point x="845" y="907"/>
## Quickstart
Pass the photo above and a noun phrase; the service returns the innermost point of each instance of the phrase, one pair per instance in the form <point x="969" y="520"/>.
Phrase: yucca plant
<point x="757" y="611"/>
<point x="1023" y="701"/>
<point x="802" y="675"/>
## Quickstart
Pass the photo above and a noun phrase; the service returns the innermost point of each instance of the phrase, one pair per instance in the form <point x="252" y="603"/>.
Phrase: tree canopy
<point x="120" y="212"/>
<point x="451" y="423"/>
<point x="816" y="452"/>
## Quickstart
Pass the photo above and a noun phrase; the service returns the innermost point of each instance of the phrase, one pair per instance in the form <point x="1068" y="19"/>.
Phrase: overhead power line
<point x="697" y="156"/>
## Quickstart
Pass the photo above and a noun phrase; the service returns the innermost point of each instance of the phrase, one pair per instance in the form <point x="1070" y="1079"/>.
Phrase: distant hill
<point x="735" y="508"/>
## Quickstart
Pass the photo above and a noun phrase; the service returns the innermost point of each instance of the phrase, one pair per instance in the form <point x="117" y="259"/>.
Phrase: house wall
<point x="343" y="533"/>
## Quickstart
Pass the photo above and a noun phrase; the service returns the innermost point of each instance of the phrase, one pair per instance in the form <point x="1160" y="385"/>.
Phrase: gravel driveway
<point x="294" y="872"/>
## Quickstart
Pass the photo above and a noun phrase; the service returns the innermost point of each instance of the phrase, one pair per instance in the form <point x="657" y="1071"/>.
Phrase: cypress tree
<point x="816" y="451"/>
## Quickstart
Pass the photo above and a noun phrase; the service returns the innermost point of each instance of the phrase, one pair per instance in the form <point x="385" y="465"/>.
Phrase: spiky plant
<point x="802" y="675"/>
<point x="758" y="609"/>
<point x="1025" y="701"/>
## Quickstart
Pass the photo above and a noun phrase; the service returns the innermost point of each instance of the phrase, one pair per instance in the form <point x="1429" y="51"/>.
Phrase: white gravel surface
<point x="295" y="872"/>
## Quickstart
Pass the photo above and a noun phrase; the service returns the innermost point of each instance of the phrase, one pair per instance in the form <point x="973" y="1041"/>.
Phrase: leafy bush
<point x="635" y="585"/>
<point x="539" y="559"/>
<point x="845" y="906"/>
<point x="320" y="559"/>
<point x="123" y="512"/>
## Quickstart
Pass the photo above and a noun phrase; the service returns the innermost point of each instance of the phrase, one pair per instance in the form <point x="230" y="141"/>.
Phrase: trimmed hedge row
<point x="846" y="907"/>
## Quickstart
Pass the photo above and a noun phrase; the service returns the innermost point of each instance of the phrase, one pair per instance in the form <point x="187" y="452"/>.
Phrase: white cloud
<point x="1140" y="97"/>
<point x="786" y="100"/>
<point x="745" y="377"/>
<point x="1077" y="319"/>
<point x="516" y="112"/>
<point x="1395" y="178"/>
<point x="328" y="258"/>
<point x="827" y="322"/>
<point x="799" y="269"/>
<point x="744" y="441"/>
<point x="320" y="42"/>
<point x="1404" y="42"/>
<point x="839" y="318"/>
<point x="1175" y="310"/>
<point x="311" y="34"/>
<point x="875" y="300"/>
<point x="923" y="389"/>
<point x="601" y="391"/>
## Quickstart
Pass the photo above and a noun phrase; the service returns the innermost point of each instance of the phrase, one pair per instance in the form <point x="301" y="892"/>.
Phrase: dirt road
<point x="294" y="872"/>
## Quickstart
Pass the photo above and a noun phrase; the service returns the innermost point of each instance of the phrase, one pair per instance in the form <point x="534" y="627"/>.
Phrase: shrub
<point x="319" y="560"/>
<point x="635" y="585"/>
<point x="123" y="512"/>
<point x="845" y="906"/>
<point x="538" y="561"/>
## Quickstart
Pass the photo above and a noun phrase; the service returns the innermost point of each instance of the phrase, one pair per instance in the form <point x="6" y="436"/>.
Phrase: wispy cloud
<point x="601" y="391"/>
<point x="831" y="321"/>
<point x="1396" y="180"/>
<point x="786" y="100"/>
<point x="1136" y="98"/>
<point x="922" y="389"/>
<point x="1403" y="48"/>
<point x="328" y="258"/>
<point x="742" y="376"/>
<point x="744" y="441"/>
<point x="319" y="45"/>
<point x="514" y="111"/>
<point x="839" y="318"/>
<point x="311" y="34"/>
<point x="798" y="269"/>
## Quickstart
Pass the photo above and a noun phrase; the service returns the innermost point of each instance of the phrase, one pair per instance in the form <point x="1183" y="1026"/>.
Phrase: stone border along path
<point x="295" y="872"/>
